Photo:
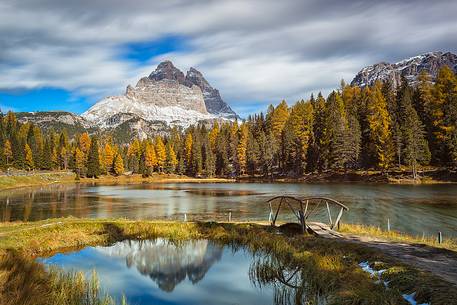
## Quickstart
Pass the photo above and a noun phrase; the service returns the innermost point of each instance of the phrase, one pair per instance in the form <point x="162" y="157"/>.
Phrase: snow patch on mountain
<point x="409" y="68"/>
<point x="166" y="96"/>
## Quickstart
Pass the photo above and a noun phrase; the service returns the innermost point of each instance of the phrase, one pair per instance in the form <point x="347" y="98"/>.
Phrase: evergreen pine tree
<point x="415" y="146"/>
<point x="93" y="159"/>
<point x="336" y="132"/>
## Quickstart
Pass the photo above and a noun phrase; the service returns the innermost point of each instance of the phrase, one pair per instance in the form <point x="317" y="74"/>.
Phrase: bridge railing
<point x="306" y="209"/>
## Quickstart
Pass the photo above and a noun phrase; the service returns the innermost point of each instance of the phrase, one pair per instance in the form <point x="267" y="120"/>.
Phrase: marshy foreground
<point x="290" y="268"/>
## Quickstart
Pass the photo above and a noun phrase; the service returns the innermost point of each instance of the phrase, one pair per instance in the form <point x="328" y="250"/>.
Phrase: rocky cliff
<point x="213" y="100"/>
<point x="409" y="69"/>
<point x="166" y="95"/>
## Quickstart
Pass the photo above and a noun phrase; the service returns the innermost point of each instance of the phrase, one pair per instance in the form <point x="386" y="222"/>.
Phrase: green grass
<point x="326" y="266"/>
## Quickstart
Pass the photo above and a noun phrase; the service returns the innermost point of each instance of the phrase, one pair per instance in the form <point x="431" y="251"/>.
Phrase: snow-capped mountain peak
<point x="166" y="95"/>
<point x="409" y="68"/>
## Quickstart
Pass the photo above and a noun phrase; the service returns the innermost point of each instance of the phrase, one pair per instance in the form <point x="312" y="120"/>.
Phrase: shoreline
<point x="429" y="177"/>
<point x="338" y="260"/>
<point x="32" y="179"/>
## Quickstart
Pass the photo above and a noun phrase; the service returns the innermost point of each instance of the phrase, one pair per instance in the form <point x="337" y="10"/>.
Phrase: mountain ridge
<point x="409" y="69"/>
<point x="165" y="95"/>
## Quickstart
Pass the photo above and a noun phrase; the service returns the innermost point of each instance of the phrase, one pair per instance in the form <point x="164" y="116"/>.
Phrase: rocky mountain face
<point x="213" y="100"/>
<point x="56" y="120"/>
<point x="166" y="95"/>
<point x="164" y="99"/>
<point x="409" y="68"/>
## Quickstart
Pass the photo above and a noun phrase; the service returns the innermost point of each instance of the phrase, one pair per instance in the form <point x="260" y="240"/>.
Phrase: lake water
<point x="415" y="209"/>
<point x="191" y="272"/>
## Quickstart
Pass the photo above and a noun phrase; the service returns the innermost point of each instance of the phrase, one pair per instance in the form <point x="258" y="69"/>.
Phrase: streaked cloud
<point x="258" y="50"/>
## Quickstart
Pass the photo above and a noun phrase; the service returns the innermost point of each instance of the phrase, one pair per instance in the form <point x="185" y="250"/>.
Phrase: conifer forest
<point x="377" y="127"/>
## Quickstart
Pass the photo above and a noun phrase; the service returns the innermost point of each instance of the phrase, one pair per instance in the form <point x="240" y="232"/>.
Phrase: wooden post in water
<point x="440" y="238"/>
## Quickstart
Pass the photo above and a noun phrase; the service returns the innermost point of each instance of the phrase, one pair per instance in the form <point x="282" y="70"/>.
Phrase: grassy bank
<point x="394" y="236"/>
<point x="328" y="266"/>
<point x="155" y="178"/>
<point x="25" y="179"/>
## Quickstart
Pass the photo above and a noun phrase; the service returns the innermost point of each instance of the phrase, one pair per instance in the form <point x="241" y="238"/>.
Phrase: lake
<point x="414" y="209"/>
<point x="190" y="272"/>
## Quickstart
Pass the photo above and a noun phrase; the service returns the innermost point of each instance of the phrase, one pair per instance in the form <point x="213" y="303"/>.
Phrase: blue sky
<point x="68" y="54"/>
<point x="51" y="98"/>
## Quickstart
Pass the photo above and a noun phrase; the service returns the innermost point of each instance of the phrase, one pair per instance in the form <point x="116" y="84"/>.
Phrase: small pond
<point x="191" y="272"/>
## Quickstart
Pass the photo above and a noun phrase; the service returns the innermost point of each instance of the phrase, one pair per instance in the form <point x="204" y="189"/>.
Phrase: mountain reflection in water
<point x="193" y="272"/>
<point x="168" y="263"/>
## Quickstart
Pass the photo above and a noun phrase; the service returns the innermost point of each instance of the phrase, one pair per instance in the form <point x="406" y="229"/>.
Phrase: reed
<point x="328" y="267"/>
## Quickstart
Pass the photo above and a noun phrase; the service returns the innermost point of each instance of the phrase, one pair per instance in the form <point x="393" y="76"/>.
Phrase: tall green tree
<point x="93" y="159"/>
<point x="415" y="145"/>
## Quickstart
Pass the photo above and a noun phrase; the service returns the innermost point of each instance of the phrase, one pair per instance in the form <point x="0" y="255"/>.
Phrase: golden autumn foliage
<point x="242" y="148"/>
<point x="28" y="157"/>
<point x="79" y="159"/>
<point x="172" y="160"/>
<point x="188" y="147"/>
<point x="84" y="142"/>
<point x="277" y="118"/>
<point x="7" y="151"/>
<point x="150" y="158"/>
<point x="118" y="166"/>
<point x="160" y="153"/>
<point x="379" y="123"/>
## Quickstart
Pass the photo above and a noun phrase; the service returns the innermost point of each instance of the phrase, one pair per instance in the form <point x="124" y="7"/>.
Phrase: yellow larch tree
<point x="109" y="155"/>
<point x="172" y="160"/>
<point x="118" y="166"/>
<point x="28" y="157"/>
<point x="188" y="148"/>
<point x="379" y="124"/>
<point x="7" y="151"/>
<point x="242" y="148"/>
<point x="150" y="158"/>
<point x="79" y="160"/>
<point x="213" y="135"/>
<point x="84" y="143"/>
<point x="160" y="153"/>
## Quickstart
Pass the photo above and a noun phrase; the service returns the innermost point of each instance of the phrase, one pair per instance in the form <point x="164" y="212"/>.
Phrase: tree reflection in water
<point x="167" y="263"/>
<point x="289" y="284"/>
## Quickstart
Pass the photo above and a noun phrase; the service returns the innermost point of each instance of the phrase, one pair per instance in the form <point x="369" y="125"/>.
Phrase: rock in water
<point x="409" y="68"/>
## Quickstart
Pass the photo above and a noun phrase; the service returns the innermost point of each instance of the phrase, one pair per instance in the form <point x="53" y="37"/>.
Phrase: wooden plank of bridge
<point x="323" y="230"/>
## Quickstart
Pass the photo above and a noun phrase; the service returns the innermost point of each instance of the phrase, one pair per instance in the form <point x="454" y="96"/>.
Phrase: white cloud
<point x="259" y="50"/>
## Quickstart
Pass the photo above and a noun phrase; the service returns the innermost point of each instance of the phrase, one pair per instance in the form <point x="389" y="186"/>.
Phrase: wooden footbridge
<point x="314" y="214"/>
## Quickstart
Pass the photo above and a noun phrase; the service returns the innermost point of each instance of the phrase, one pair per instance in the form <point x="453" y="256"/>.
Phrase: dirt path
<point x="440" y="262"/>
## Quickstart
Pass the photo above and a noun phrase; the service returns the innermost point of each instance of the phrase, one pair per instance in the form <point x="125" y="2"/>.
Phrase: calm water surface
<point x="191" y="272"/>
<point x="413" y="209"/>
